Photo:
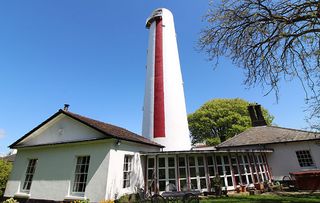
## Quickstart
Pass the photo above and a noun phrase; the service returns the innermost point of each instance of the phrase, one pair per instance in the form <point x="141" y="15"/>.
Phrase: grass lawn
<point x="270" y="198"/>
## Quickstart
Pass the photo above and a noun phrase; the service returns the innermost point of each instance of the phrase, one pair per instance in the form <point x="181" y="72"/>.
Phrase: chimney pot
<point x="66" y="107"/>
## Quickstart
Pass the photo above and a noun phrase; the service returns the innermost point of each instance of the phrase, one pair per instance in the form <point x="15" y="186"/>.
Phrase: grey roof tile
<point x="268" y="135"/>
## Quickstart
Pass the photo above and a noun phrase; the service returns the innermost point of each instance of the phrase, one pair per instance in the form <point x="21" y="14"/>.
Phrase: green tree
<point x="220" y="119"/>
<point x="5" y="169"/>
<point x="272" y="40"/>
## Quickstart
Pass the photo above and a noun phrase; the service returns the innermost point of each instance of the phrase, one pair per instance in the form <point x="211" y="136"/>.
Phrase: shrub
<point x="106" y="201"/>
<point x="128" y="198"/>
<point x="5" y="169"/>
<point x="81" y="201"/>
<point x="11" y="200"/>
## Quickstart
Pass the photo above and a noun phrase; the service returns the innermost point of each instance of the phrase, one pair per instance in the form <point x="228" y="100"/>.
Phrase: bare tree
<point x="271" y="40"/>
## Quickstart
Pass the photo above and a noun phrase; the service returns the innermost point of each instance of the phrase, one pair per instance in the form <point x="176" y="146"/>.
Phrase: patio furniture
<point x="289" y="183"/>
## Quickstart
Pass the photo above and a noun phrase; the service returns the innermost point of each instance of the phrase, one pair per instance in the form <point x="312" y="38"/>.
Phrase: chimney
<point x="256" y="115"/>
<point x="252" y="114"/>
<point x="66" y="107"/>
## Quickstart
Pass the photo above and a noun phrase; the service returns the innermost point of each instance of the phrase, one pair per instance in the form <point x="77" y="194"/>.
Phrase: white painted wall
<point x="61" y="129"/>
<point x="53" y="178"/>
<point x="55" y="169"/>
<point x="176" y="123"/>
<point x="115" y="172"/>
<point x="147" y="122"/>
<point x="284" y="160"/>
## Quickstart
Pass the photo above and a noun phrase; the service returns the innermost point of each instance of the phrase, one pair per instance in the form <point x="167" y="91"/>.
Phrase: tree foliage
<point x="270" y="39"/>
<point x="5" y="169"/>
<point x="220" y="119"/>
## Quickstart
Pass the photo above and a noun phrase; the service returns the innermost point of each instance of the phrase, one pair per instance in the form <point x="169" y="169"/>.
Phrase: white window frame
<point x="151" y="173"/>
<point x="225" y="176"/>
<point x="197" y="168"/>
<point x="253" y="165"/>
<point x="262" y="168"/>
<point x="245" y="168"/>
<point x="28" y="178"/>
<point x="185" y="186"/>
<point x="166" y="168"/>
<point x="78" y="175"/>
<point x="127" y="169"/>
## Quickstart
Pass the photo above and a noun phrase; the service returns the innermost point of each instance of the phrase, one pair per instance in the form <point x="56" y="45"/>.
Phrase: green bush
<point x="128" y="198"/>
<point x="11" y="200"/>
<point x="5" y="169"/>
<point x="81" y="201"/>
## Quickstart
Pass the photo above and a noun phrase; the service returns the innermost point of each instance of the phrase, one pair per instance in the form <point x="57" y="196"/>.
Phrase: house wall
<point x="115" y="172"/>
<point x="61" y="129"/>
<point x="284" y="159"/>
<point x="54" y="174"/>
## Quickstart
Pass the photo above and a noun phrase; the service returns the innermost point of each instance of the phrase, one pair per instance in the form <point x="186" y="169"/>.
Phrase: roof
<point x="262" y="135"/>
<point x="9" y="158"/>
<point x="108" y="130"/>
<point x="207" y="151"/>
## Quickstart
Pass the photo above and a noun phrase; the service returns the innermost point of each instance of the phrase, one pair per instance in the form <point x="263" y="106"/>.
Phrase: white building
<point x="293" y="150"/>
<point x="69" y="156"/>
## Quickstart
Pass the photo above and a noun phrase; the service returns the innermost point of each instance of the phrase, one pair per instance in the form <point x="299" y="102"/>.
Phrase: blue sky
<point x="92" y="55"/>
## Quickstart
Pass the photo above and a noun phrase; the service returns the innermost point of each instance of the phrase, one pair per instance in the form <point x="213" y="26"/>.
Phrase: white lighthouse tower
<point x="164" y="116"/>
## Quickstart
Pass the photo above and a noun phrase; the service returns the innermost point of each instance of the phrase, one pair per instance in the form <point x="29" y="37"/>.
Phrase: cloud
<point x="2" y="133"/>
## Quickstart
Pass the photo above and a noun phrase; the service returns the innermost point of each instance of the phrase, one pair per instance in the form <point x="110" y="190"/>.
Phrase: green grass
<point x="265" y="199"/>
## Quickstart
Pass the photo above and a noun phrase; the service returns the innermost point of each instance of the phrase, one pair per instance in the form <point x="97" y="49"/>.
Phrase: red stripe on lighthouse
<point x="158" y="116"/>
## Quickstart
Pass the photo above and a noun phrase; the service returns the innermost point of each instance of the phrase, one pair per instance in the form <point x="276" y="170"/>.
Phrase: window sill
<point x="22" y="195"/>
<point x="75" y="197"/>
<point x="308" y="168"/>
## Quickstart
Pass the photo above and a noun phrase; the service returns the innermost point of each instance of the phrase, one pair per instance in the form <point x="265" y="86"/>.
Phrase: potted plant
<point x="217" y="185"/>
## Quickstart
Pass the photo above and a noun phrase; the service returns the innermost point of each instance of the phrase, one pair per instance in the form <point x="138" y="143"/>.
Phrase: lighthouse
<point x="164" y="111"/>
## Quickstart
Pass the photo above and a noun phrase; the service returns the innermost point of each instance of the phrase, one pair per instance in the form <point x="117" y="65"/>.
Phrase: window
<point x="197" y="172"/>
<point x="127" y="167"/>
<point x="166" y="173"/>
<point x="182" y="169"/>
<point x="245" y="170"/>
<point x="29" y="174"/>
<point x="151" y="173"/>
<point x="304" y="158"/>
<point x="81" y="174"/>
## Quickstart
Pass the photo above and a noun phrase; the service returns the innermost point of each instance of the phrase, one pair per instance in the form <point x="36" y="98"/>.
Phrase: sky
<point x="92" y="55"/>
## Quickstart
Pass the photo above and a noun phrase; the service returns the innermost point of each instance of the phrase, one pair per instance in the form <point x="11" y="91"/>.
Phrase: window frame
<point x="199" y="165"/>
<point x="302" y="160"/>
<point x="127" y="161"/>
<point x="78" y="174"/>
<point x="29" y="174"/>
<point x="151" y="173"/>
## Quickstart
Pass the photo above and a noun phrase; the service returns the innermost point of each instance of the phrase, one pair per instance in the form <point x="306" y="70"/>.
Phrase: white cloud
<point x="2" y="133"/>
